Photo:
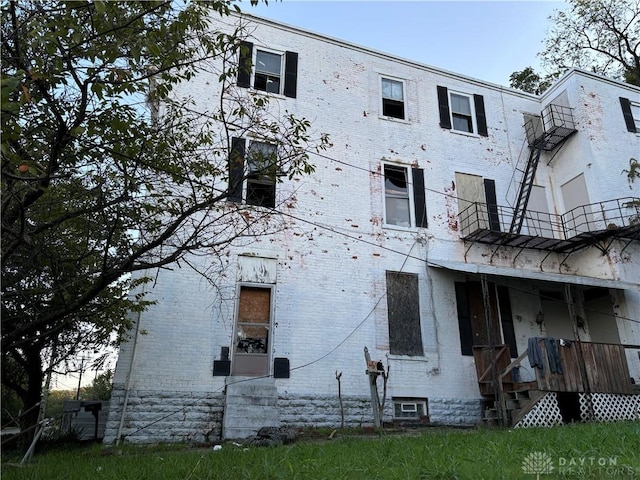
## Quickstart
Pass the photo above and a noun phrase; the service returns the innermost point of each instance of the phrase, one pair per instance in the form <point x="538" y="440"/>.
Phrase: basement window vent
<point x="410" y="408"/>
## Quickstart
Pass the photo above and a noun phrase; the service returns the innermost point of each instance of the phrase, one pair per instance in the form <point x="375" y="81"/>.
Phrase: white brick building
<point x="388" y="245"/>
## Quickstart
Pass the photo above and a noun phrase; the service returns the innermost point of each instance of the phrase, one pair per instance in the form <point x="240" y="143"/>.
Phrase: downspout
<point x="129" y="375"/>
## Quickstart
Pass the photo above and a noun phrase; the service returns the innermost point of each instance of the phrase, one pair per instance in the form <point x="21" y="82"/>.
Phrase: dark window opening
<point x="392" y="108"/>
<point x="462" y="123"/>
<point x="403" y="309"/>
<point x="261" y="193"/>
<point x="268" y="72"/>
<point x="392" y="98"/>
<point x="261" y="183"/>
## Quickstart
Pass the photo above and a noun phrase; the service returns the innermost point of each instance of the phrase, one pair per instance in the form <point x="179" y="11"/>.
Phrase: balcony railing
<point x="619" y="218"/>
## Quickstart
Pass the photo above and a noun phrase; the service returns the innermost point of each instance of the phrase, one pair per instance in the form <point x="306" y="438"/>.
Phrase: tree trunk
<point x="32" y="394"/>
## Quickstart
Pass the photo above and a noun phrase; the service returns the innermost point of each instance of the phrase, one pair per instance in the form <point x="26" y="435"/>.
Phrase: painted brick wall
<point x="333" y="251"/>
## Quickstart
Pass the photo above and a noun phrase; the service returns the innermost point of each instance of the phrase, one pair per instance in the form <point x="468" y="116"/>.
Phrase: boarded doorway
<point x="253" y="324"/>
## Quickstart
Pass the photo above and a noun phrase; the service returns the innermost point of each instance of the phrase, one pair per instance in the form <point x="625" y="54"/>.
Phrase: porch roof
<point x="531" y="274"/>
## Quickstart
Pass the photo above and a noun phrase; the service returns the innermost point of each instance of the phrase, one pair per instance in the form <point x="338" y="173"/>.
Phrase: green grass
<point x="433" y="453"/>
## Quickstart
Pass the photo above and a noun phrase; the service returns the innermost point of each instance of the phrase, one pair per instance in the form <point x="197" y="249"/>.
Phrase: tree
<point x="109" y="173"/>
<point x="100" y="388"/>
<point x="602" y="36"/>
<point x="528" y="80"/>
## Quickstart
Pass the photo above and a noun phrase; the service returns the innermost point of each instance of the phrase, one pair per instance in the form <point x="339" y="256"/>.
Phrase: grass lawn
<point x="594" y="451"/>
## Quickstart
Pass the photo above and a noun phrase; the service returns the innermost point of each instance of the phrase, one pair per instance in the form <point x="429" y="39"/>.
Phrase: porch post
<point x="576" y="334"/>
<point x="496" y="379"/>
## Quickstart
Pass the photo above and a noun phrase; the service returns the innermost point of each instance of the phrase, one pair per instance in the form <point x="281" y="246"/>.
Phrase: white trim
<point x="404" y="97"/>
<point x="472" y="108"/>
<point x="254" y="60"/>
<point x="409" y="179"/>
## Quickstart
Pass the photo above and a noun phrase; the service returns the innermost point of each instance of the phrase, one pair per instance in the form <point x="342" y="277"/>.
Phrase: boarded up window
<point x="403" y="309"/>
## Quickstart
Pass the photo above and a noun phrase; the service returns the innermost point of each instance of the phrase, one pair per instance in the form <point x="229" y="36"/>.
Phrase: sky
<point x="487" y="40"/>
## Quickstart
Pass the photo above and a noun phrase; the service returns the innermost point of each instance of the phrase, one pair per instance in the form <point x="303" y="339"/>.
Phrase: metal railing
<point x="614" y="214"/>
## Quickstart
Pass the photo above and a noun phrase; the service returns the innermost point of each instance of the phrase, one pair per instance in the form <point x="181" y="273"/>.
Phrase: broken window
<point x="396" y="190"/>
<point x="262" y="166"/>
<point x="398" y="193"/>
<point x="393" y="98"/>
<point x="403" y="310"/>
<point x="261" y="181"/>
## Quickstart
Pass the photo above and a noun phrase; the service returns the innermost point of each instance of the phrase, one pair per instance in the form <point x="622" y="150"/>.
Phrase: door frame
<point x="252" y="364"/>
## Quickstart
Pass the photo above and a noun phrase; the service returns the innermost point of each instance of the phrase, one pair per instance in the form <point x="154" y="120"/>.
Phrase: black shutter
<point x="443" y="106"/>
<point x="492" y="204"/>
<point x="464" y="319"/>
<point x="236" y="169"/>
<point x="290" y="74"/>
<point x="419" y="197"/>
<point x="628" y="116"/>
<point x="481" y="118"/>
<point x="244" y="64"/>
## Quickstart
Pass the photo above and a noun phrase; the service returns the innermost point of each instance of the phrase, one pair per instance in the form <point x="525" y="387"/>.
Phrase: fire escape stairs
<point x="547" y="133"/>
<point x="524" y="192"/>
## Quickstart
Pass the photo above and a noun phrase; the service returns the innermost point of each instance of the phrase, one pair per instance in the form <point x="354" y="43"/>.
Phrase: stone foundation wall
<point x="161" y="416"/>
<point x="173" y="417"/>
<point x="324" y="411"/>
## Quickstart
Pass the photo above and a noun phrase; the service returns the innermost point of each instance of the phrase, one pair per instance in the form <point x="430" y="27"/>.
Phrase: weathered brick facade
<point x="330" y="261"/>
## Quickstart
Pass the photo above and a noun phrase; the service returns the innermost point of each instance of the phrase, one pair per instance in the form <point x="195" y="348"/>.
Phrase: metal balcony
<point x="578" y="228"/>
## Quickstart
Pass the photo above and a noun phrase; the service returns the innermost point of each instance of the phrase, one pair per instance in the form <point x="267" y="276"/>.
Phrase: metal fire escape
<point x="597" y="224"/>
<point x="545" y="133"/>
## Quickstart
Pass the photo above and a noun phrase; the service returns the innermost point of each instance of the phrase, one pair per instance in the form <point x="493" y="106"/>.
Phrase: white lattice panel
<point x="609" y="407"/>
<point x="545" y="413"/>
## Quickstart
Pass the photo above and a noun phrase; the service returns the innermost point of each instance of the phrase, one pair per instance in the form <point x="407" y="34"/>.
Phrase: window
<point x="273" y="73"/>
<point x="397" y="203"/>
<point x="461" y="117"/>
<point x="399" y="192"/>
<point x="262" y="165"/>
<point x="403" y="310"/>
<point x="393" y="98"/>
<point x="268" y="68"/>
<point x="410" y="408"/>
<point x="261" y="180"/>
<point x="631" y="113"/>
<point x="459" y="113"/>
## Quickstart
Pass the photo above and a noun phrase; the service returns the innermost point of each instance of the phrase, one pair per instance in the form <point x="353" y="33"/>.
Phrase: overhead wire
<point x="356" y="238"/>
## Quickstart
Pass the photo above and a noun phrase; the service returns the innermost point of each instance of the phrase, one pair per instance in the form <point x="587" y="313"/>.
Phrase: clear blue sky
<point x="488" y="40"/>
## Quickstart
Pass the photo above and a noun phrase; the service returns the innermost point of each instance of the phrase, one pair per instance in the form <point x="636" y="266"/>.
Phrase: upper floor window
<point x="267" y="72"/>
<point x="404" y="197"/>
<point x="261" y="179"/>
<point x="462" y="112"/>
<point x="393" y="98"/>
<point x="257" y="183"/>
<point x="631" y="113"/>
<point x="271" y="72"/>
